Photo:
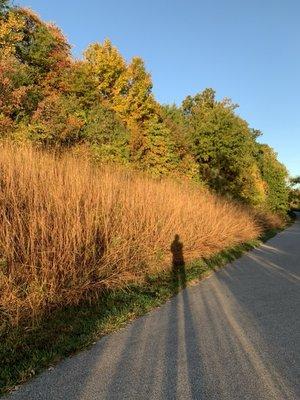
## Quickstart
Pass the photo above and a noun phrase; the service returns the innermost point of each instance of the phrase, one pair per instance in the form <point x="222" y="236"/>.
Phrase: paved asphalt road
<point x="235" y="336"/>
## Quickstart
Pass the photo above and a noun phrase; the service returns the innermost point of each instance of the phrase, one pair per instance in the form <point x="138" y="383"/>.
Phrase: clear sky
<point x="248" y="50"/>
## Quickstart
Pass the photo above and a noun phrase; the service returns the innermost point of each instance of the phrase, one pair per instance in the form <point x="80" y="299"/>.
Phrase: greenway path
<point x="235" y="335"/>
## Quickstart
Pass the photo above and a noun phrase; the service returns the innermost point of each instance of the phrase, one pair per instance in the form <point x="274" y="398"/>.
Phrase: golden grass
<point x="69" y="229"/>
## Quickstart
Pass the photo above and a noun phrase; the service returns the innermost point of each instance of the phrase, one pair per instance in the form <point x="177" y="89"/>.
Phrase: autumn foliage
<point x="96" y="177"/>
<point x="106" y="104"/>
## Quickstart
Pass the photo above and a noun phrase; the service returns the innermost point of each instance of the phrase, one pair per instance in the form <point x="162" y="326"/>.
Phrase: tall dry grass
<point x="68" y="230"/>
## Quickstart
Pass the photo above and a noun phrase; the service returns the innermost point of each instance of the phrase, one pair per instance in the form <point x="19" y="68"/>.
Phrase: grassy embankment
<point x="86" y="249"/>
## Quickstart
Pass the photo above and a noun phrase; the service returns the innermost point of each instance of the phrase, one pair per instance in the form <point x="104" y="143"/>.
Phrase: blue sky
<point x="248" y="50"/>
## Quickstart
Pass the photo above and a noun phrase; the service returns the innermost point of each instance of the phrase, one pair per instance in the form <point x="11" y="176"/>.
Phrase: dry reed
<point x="69" y="229"/>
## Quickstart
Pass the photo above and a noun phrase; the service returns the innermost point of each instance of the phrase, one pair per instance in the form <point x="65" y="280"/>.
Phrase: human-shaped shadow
<point x="178" y="264"/>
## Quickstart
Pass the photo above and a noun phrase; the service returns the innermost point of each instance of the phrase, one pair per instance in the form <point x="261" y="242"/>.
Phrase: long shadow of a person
<point x="178" y="264"/>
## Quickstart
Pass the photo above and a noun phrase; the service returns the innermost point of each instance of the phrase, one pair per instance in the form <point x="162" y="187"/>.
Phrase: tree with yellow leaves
<point x="107" y="104"/>
<point x="11" y="29"/>
<point x="106" y="65"/>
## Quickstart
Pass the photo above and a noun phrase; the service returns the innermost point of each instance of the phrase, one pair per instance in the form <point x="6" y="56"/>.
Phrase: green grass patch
<point x="25" y="352"/>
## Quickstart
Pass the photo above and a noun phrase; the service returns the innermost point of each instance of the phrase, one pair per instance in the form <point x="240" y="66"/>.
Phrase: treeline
<point x="104" y="106"/>
<point x="294" y="196"/>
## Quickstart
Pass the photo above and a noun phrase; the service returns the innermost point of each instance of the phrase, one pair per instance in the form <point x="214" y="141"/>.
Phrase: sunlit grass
<point x="24" y="352"/>
<point x="70" y="230"/>
<point x="85" y="249"/>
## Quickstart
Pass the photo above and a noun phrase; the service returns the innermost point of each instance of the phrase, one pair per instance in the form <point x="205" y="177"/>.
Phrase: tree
<point x="294" y="193"/>
<point x="4" y="7"/>
<point x="174" y="120"/>
<point x="219" y="138"/>
<point x="32" y="67"/>
<point x="275" y="175"/>
<point x="107" y="135"/>
<point x="11" y="29"/>
<point x="57" y="121"/>
<point x="105" y="64"/>
<point x="295" y="181"/>
<point x="154" y="151"/>
<point x="132" y="95"/>
<point x="106" y="104"/>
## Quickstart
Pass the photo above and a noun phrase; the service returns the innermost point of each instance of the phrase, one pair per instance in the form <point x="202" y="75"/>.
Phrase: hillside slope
<point x="70" y="229"/>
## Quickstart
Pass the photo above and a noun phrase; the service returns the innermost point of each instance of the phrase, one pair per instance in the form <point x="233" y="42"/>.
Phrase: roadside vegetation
<point x="69" y="329"/>
<point x="86" y="248"/>
<point x="294" y="195"/>
<point x="97" y="179"/>
<point x="102" y="106"/>
<point x="70" y="230"/>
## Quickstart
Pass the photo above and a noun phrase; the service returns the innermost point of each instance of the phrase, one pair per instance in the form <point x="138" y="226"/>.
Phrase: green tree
<point x="174" y="120"/>
<point x="4" y="7"/>
<point x="276" y="177"/>
<point x="223" y="145"/>
<point x="295" y="181"/>
<point x="107" y="135"/>
<point x="107" y="105"/>
<point x="154" y="149"/>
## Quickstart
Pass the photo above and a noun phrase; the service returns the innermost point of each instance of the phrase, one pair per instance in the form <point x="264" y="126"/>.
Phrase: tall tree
<point x="105" y="64"/>
<point x="276" y="177"/>
<point x="107" y="104"/>
<point x="223" y="146"/>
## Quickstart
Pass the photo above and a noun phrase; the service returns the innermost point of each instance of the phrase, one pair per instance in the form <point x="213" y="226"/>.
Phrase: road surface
<point x="235" y="336"/>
